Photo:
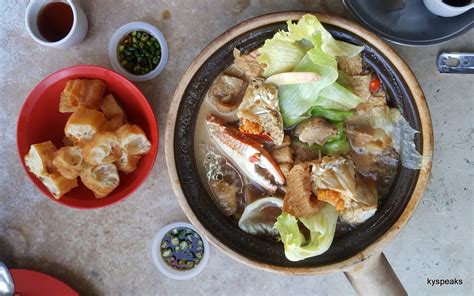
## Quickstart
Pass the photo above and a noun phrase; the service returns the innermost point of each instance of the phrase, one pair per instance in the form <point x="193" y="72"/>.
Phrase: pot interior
<point x="225" y="230"/>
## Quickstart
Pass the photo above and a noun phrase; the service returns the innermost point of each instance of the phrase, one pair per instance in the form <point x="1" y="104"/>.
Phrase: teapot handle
<point x="375" y="276"/>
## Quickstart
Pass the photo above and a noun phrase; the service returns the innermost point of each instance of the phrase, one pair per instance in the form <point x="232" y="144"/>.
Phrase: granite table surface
<point x="108" y="251"/>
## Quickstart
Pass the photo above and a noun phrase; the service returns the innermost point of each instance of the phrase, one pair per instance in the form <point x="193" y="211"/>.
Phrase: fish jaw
<point x="245" y="153"/>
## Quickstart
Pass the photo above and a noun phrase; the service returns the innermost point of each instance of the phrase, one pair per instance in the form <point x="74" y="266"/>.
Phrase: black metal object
<point x="227" y="231"/>
<point x="412" y="24"/>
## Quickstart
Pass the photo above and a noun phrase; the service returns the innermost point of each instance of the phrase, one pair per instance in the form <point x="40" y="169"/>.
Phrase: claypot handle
<point x="375" y="276"/>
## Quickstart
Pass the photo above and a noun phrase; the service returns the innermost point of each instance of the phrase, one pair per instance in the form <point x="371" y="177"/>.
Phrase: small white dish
<point x="164" y="267"/>
<point x="75" y="36"/>
<point x="440" y="8"/>
<point x="125" y="30"/>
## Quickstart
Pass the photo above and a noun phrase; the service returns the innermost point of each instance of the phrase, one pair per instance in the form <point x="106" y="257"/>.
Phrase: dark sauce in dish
<point x="457" y="3"/>
<point x="55" y="21"/>
<point x="182" y="248"/>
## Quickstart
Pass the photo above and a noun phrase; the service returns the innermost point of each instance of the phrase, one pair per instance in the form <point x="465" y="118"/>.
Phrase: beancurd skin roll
<point x="102" y="179"/>
<point x="39" y="159"/>
<point x="104" y="148"/>
<point x="83" y="124"/>
<point x="133" y="139"/>
<point x="69" y="161"/>
<point x="85" y="93"/>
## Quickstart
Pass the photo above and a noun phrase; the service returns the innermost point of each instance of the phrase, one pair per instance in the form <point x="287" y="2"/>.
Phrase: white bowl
<point x="440" y="8"/>
<point x="75" y="36"/>
<point x="122" y="32"/>
<point x="168" y="270"/>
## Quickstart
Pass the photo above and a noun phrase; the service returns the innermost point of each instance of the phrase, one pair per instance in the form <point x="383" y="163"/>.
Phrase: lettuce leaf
<point x="321" y="226"/>
<point x="280" y="56"/>
<point x="308" y="26"/>
<point x="308" y="47"/>
<point x="337" y="97"/>
<point x="296" y="99"/>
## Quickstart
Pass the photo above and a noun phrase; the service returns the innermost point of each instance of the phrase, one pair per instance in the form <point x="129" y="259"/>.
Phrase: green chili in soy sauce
<point x="139" y="52"/>
<point x="182" y="248"/>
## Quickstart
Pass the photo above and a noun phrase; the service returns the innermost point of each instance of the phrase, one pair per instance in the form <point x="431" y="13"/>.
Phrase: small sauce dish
<point x="116" y="47"/>
<point x="66" y="16"/>
<point x="179" y="251"/>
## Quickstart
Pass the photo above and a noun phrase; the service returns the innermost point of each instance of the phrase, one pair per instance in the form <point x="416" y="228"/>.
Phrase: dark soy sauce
<point x="55" y="21"/>
<point x="457" y="3"/>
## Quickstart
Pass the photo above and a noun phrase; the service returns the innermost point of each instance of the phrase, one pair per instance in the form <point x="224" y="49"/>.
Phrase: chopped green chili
<point x="182" y="248"/>
<point x="139" y="52"/>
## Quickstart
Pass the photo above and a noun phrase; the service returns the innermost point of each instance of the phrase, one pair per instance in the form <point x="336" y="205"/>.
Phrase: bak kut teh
<point x="99" y="143"/>
<point x="303" y="144"/>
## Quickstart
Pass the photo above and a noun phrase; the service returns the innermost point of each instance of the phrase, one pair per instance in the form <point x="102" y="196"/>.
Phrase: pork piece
<point x="303" y="152"/>
<point x="248" y="63"/>
<point x="350" y="65"/>
<point x="335" y="174"/>
<point x="371" y="148"/>
<point x="352" y="75"/>
<point x="299" y="200"/>
<point x="225" y="195"/>
<point x="360" y="84"/>
<point x="376" y="165"/>
<point x="283" y="155"/>
<point x="365" y="111"/>
<point x="366" y="192"/>
<point x="225" y="93"/>
<point x="360" y="127"/>
<point x="315" y="130"/>
<point x="285" y="168"/>
<point x="252" y="193"/>
<point x="365" y="139"/>
<point x="286" y="141"/>
<point x="365" y="204"/>
<point x="259" y="112"/>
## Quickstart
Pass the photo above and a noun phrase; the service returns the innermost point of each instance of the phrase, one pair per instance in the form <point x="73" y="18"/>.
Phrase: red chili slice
<point x="374" y="84"/>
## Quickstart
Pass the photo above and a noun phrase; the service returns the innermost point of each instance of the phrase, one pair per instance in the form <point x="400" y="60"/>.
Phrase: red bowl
<point x="41" y="121"/>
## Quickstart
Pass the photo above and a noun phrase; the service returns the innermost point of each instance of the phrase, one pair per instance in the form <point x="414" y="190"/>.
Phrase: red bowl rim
<point x="154" y="131"/>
